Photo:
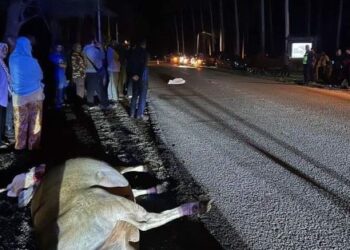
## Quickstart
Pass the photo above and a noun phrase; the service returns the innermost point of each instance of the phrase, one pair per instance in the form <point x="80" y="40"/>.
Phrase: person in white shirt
<point x="95" y="74"/>
<point x="113" y="62"/>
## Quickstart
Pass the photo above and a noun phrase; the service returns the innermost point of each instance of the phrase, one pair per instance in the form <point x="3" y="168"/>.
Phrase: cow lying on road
<point x="87" y="204"/>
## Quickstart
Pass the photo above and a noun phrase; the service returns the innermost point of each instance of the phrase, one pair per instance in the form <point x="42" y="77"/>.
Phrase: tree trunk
<point x="183" y="33"/>
<point x="13" y="22"/>
<point x="237" y="44"/>
<point x="201" y="15"/>
<point x="177" y="35"/>
<point x="287" y="29"/>
<point x="262" y="30"/>
<point x="272" y="41"/>
<point x="213" y="42"/>
<point x="319" y="23"/>
<point x="55" y="30"/>
<point x="340" y="18"/>
<point x="194" y="32"/>
<point x="308" y="21"/>
<point x="222" y="28"/>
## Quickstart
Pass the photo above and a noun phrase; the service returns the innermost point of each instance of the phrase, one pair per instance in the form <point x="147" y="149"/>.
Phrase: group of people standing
<point x="107" y="73"/>
<point x="93" y="71"/>
<point x="319" y="67"/>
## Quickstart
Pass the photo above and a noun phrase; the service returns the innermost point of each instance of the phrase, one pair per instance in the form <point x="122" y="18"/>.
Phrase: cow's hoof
<point x="162" y="188"/>
<point x="204" y="206"/>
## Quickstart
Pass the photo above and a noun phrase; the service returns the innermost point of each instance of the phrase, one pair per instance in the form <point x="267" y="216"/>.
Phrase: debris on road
<point x="177" y="81"/>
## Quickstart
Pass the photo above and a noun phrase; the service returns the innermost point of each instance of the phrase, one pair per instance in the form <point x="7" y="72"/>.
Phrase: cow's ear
<point x="111" y="179"/>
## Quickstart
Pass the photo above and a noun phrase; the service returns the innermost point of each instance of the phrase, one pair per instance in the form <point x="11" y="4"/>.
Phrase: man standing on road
<point x="95" y="74"/>
<point x="139" y="76"/>
<point x="308" y="64"/>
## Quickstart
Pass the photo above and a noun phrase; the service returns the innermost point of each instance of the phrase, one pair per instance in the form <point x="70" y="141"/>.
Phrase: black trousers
<point x="94" y="84"/>
<point x="307" y="73"/>
<point x="2" y="122"/>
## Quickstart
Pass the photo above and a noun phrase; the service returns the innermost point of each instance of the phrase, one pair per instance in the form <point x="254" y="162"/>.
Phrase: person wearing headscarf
<point x="5" y="79"/>
<point x="27" y="95"/>
<point x="59" y="61"/>
<point x="79" y="64"/>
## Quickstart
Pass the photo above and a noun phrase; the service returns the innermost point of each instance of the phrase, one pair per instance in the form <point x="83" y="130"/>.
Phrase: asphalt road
<point x="274" y="157"/>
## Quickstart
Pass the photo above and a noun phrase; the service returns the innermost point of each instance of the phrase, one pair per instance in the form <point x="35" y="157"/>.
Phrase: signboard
<point x="298" y="49"/>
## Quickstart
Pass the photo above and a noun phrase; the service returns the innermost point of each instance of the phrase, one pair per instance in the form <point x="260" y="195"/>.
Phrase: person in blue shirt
<point x="58" y="58"/>
<point x="27" y="95"/>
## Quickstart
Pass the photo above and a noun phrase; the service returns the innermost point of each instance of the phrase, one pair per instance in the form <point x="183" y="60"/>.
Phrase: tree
<point x="18" y="13"/>
<point x="222" y="28"/>
<point x="177" y="35"/>
<point x="237" y="44"/>
<point x="287" y="29"/>
<point x="340" y="19"/>
<point x="213" y="42"/>
<point x="262" y="30"/>
<point x="308" y="21"/>
<point x="272" y="40"/>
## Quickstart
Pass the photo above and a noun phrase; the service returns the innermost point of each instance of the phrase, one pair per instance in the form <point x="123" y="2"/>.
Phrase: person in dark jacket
<point x="138" y="73"/>
<point x="346" y="69"/>
<point x="337" y="74"/>
<point x="308" y="63"/>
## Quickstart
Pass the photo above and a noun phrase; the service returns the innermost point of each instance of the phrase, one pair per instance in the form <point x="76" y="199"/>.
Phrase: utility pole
<point x="99" y="31"/>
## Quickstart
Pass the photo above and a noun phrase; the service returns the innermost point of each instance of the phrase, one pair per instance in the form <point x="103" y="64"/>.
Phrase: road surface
<point x="274" y="157"/>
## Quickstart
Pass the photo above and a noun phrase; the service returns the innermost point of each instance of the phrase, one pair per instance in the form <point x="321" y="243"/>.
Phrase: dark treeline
<point x="157" y="20"/>
<point x="316" y="18"/>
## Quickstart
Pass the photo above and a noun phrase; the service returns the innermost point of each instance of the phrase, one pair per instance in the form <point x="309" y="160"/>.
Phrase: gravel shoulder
<point x="115" y="138"/>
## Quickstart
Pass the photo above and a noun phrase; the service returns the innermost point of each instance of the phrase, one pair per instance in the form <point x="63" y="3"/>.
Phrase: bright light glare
<point x="298" y="49"/>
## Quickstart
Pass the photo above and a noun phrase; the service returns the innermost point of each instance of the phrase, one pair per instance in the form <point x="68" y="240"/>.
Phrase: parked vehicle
<point x="226" y="61"/>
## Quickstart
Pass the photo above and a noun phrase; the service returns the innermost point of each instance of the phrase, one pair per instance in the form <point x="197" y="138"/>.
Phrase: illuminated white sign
<point x="298" y="49"/>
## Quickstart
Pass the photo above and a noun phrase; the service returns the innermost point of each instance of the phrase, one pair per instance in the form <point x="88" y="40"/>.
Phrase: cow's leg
<point x="159" y="189"/>
<point x="144" y="220"/>
<point x="137" y="169"/>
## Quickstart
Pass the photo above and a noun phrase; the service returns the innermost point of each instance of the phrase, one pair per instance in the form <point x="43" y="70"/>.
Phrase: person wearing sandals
<point x="27" y="95"/>
<point x="5" y="79"/>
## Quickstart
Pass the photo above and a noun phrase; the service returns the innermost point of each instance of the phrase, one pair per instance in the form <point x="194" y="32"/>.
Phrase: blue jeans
<point x="139" y="96"/>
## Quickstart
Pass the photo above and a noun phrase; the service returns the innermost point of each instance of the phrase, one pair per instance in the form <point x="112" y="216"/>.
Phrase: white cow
<point x="87" y="204"/>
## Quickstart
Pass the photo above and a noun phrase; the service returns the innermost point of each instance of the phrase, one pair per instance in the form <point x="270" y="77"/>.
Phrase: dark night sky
<point x="154" y="20"/>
